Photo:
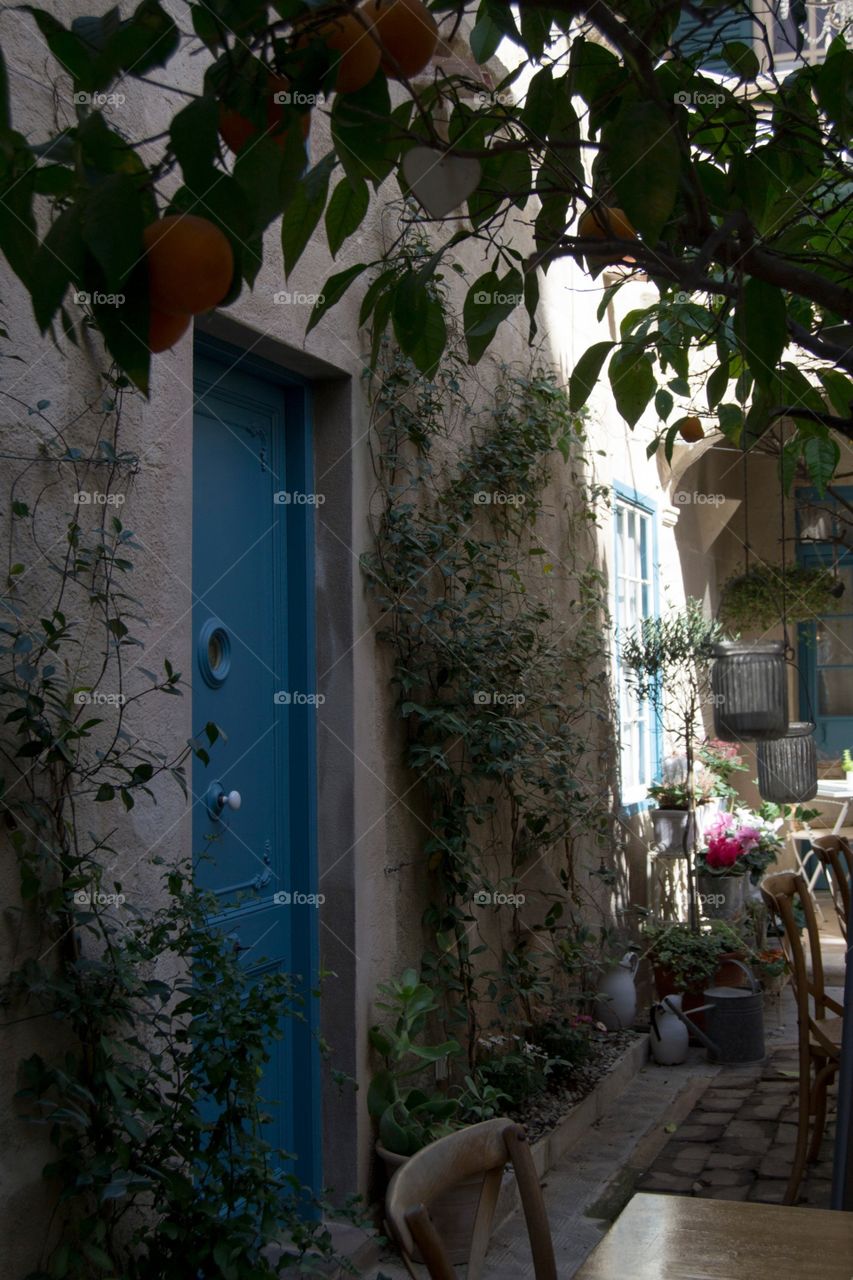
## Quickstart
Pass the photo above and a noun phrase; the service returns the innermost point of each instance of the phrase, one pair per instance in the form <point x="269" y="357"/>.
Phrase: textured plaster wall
<point x="371" y="822"/>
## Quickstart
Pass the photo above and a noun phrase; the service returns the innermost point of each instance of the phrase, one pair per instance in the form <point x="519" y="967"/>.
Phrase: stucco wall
<point x="371" y="824"/>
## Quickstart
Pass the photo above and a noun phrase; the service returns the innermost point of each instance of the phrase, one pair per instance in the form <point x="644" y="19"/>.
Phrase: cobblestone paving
<point x="738" y="1142"/>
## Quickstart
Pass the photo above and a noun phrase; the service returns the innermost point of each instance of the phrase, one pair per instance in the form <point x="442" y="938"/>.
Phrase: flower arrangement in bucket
<point x="737" y="845"/>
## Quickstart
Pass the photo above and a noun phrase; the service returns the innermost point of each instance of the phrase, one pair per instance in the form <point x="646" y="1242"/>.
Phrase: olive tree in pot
<point x="667" y="663"/>
<point x="409" y="1109"/>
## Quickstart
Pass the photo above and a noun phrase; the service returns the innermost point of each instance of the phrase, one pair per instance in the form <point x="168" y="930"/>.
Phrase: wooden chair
<point x="836" y="857"/>
<point x="819" y="1034"/>
<point x="481" y="1148"/>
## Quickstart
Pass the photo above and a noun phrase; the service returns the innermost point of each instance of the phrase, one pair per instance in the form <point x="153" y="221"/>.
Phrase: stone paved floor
<point x="738" y="1142"/>
<point x="721" y="1132"/>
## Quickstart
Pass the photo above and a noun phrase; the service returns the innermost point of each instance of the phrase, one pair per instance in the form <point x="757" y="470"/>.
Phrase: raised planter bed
<point x="570" y="1124"/>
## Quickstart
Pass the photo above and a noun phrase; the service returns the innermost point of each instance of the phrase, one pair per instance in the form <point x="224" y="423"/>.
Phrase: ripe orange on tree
<point x="407" y="32"/>
<point x="190" y="264"/>
<point x="236" y="129"/>
<point x="358" y="53"/>
<point x="164" y="330"/>
<point x="606" y="223"/>
<point x="691" y="429"/>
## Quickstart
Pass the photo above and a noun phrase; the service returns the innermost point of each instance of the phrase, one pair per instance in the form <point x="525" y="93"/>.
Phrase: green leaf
<point x="304" y="211"/>
<point x="333" y="290"/>
<point x="731" y="421"/>
<point x="363" y="131"/>
<point x="715" y="387"/>
<point x="418" y="321"/>
<point x="67" y="48"/>
<point x="111" y="227"/>
<point x="346" y="211"/>
<point x="58" y="262"/>
<point x="269" y="174"/>
<point x="840" y="391"/>
<point x="742" y="59"/>
<point x="586" y="374"/>
<point x="18" y="240"/>
<point x="485" y="37"/>
<point x="194" y="135"/>
<point x="821" y="455"/>
<point x="761" y="329"/>
<point x="488" y="302"/>
<point x="644" y="161"/>
<point x="663" y="403"/>
<point x="632" y="380"/>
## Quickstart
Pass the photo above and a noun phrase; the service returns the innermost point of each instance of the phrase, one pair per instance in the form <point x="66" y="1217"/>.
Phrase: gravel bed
<point x="543" y="1113"/>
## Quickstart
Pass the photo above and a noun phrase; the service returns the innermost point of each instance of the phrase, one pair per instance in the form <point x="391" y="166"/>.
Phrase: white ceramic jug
<point x="617" y="1003"/>
<point x="669" y="1036"/>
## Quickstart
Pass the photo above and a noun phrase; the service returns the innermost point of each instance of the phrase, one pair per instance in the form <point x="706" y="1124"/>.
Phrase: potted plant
<point x="721" y="760"/>
<point x="672" y="824"/>
<point x="756" y="600"/>
<point x="847" y="766"/>
<point x="409" y="1110"/>
<point x="685" y="961"/>
<point x="740" y="847"/>
<point x="666" y="662"/>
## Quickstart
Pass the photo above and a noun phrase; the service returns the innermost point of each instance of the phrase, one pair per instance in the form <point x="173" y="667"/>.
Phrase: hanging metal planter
<point x="750" y="691"/>
<point x="787" y="767"/>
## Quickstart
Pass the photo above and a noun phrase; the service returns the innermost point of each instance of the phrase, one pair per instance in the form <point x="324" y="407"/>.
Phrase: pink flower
<point x="719" y="826"/>
<point x="749" y="836"/>
<point x="723" y="851"/>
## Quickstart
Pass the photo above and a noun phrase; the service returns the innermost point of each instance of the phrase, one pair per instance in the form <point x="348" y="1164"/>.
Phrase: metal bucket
<point x="735" y="1024"/>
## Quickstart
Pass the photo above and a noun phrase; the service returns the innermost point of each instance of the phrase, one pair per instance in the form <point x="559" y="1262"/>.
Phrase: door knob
<point x="218" y="799"/>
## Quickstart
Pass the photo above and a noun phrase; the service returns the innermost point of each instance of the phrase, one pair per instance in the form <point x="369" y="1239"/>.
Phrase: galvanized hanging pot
<point x="787" y="767"/>
<point x="750" y="688"/>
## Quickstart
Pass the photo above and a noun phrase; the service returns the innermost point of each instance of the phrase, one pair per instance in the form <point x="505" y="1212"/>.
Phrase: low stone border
<point x="550" y="1148"/>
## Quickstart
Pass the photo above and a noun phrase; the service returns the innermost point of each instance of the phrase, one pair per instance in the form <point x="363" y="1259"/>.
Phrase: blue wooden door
<point x="252" y="674"/>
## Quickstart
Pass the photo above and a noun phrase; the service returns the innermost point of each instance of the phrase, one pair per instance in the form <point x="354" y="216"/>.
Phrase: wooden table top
<point x="688" y="1238"/>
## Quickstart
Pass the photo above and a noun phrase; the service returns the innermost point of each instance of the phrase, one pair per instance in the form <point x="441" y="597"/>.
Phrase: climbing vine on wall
<point x="494" y="609"/>
<point x="134" y="997"/>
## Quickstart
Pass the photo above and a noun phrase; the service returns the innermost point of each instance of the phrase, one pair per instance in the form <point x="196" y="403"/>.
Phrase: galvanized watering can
<point x="734" y="1020"/>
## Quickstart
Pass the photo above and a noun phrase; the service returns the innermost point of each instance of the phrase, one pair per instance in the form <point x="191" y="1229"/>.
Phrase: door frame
<point x="303" y="762"/>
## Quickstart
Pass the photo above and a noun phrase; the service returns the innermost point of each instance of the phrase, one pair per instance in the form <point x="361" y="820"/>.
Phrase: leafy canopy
<point x="724" y="145"/>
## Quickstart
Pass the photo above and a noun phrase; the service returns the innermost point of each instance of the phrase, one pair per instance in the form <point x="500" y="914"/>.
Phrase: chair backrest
<point x="779" y="891"/>
<point x="837" y="858"/>
<point x="478" y="1149"/>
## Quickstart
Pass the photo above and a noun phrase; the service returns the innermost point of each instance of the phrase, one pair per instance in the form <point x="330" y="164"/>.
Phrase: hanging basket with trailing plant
<point x="756" y="600"/>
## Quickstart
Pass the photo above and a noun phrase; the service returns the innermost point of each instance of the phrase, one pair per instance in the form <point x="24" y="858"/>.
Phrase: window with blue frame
<point x="772" y="30"/>
<point x="634" y="597"/>
<point x="825" y="537"/>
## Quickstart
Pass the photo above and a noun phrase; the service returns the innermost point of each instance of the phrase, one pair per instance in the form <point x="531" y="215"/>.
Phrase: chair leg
<point x="819" y="1100"/>
<point x="802" y="1137"/>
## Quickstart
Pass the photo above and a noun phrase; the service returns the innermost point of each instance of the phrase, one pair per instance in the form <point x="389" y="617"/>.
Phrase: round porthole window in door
<point x="214" y="652"/>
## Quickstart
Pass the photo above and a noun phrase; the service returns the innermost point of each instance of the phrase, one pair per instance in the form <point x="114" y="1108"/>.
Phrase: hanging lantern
<point x="750" y="687"/>
<point x="787" y="767"/>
